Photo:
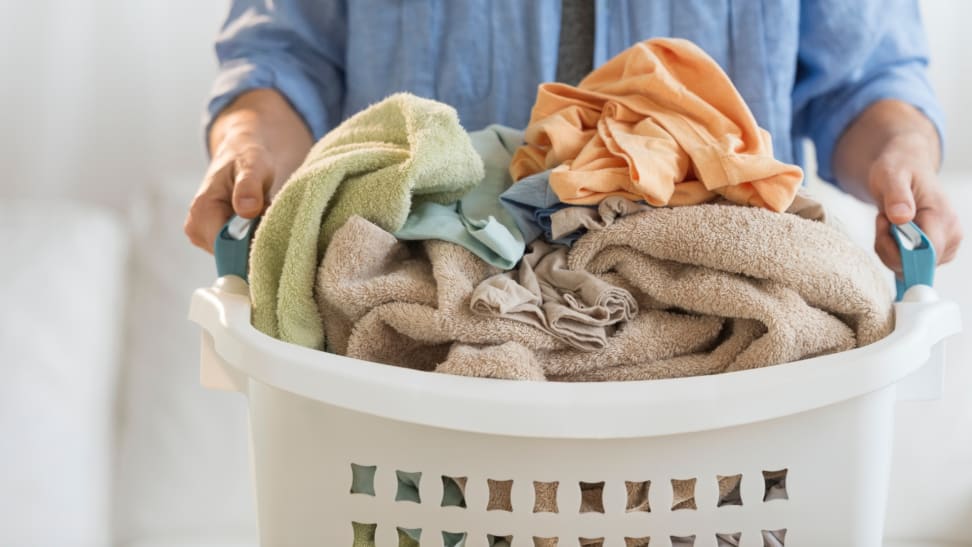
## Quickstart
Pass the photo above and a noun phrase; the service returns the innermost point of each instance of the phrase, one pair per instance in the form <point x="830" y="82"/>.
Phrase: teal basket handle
<point x="232" y="246"/>
<point x="917" y="257"/>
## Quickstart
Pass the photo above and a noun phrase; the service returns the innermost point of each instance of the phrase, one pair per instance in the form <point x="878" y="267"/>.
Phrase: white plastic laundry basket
<point x="826" y="422"/>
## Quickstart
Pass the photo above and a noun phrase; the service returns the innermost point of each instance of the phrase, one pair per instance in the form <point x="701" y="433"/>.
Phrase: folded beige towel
<point x="573" y="305"/>
<point x="719" y="288"/>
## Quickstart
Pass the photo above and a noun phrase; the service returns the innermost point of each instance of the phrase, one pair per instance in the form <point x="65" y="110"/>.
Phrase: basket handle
<point x="917" y="257"/>
<point x="232" y="246"/>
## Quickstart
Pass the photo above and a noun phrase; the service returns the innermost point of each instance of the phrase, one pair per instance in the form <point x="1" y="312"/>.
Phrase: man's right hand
<point x="256" y="143"/>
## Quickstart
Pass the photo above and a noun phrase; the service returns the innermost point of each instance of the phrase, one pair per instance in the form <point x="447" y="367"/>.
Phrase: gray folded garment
<point x="573" y="305"/>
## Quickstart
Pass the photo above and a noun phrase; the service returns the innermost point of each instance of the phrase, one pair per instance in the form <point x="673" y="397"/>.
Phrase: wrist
<point x="262" y="117"/>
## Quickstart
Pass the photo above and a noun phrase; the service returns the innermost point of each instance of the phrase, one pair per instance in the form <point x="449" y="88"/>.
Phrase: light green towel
<point x="375" y="165"/>
<point x="478" y="221"/>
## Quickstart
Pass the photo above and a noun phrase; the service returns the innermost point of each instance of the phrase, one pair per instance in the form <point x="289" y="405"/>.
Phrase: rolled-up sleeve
<point x="293" y="46"/>
<point x="851" y="55"/>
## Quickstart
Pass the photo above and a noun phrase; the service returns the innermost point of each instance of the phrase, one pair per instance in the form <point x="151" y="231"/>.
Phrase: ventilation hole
<point x="592" y="497"/>
<point x="364" y="534"/>
<point x="591" y="542"/>
<point x="729" y="490"/>
<point x="453" y="539"/>
<point x="636" y="542"/>
<point x="363" y="479"/>
<point x="453" y="492"/>
<point x="408" y="486"/>
<point x="409" y="536"/>
<point x="500" y="495"/>
<point x="775" y="482"/>
<point x="638" y="496"/>
<point x="774" y="538"/>
<point x="683" y="541"/>
<point x="683" y="494"/>
<point x="499" y="541"/>
<point x="728" y="540"/>
<point x="545" y="497"/>
<point x="545" y="542"/>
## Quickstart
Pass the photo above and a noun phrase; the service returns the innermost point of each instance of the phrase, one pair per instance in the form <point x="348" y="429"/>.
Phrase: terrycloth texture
<point x="573" y="222"/>
<point x="719" y="288"/>
<point x="477" y="221"/>
<point x="509" y="360"/>
<point x="573" y="306"/>
<point x="660" y="122"/>
<point x="371" y="165"/>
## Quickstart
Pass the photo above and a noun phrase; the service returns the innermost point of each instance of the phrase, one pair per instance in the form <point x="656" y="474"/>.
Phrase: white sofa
<point x="107" y="438"/>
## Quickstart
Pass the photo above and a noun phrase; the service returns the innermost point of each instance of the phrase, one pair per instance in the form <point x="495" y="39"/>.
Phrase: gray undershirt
<point x="575" y="56"/>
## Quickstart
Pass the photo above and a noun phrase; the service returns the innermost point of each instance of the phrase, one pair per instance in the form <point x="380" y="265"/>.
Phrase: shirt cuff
<point x="240" y="75"/>
<point x="903" y="83"/>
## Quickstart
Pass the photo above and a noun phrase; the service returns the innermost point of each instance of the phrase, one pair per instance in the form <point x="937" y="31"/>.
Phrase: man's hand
<point x="905" y="187"/>
<point x="256" y="143"/>
<point x="890" y="155"/>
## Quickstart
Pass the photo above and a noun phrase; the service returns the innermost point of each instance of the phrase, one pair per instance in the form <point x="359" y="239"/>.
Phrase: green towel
<point x="478" y="221"/>
<point x="374" y="165"/>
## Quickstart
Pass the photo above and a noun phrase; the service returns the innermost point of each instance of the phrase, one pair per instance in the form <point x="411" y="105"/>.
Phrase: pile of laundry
<point x="639" y="228"/>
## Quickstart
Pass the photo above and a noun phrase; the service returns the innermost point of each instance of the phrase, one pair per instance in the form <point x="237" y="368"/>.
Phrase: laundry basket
<point x="808" y="442"/>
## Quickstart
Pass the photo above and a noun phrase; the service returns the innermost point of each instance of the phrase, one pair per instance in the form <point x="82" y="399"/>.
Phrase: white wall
<point x="103" y="96"/>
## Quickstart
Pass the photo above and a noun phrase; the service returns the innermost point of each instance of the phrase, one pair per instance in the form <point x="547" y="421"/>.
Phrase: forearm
<point x="263" y="117"/>
<point x="884" y="125"/>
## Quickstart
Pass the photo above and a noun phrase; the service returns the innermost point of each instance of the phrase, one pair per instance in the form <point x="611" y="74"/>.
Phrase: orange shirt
<point x="661" y="122"/>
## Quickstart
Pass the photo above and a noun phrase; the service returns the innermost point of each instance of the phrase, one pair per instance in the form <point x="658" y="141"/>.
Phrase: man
<point x="847" y="74"/>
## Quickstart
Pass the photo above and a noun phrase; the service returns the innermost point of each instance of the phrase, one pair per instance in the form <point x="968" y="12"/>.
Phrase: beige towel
<point x="570" y="219"/>
<point x="573" y="305"/>
<point x="408" y="304"/>
<point x="719" y="288"/>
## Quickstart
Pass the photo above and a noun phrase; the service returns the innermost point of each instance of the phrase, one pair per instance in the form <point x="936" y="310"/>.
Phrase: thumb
<point x="894" y="195"/>
<point x="252" y="177"/>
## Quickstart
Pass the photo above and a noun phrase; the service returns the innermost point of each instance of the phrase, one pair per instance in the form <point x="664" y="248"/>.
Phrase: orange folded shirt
<point x="661" y="122"/>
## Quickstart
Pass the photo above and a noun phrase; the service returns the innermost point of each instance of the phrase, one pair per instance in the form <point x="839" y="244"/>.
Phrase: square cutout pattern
<point x="683" y="494"/>
<point x="592" y="497"/>
<point x="453" y="491"/>
<point x="728" y="540"/>
<point x="408" y="486"/>
<point x="592" y="501"/>
<point x="775" y="485"/>
<point x="545" y="497"/>
<point x="729" y="486"/>
<point x="500" y="495"/>
<point x="774" y="538"/>
<point x="363" y="479"/>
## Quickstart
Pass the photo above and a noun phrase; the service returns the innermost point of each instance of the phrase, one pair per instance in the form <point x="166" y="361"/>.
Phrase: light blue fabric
<point x="806" y="68"/>
<point x="477" y="221"/>
<point x="524" y="198"/>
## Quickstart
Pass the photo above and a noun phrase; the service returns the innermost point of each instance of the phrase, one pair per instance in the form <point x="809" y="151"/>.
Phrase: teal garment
<point x="478" y="221"/>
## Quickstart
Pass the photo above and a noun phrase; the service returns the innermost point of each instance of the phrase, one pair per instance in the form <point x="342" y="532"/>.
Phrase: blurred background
<point x="105" y="436"/>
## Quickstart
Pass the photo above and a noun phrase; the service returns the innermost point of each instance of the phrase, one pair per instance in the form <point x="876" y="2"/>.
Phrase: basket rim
<point x="620" y="409"/>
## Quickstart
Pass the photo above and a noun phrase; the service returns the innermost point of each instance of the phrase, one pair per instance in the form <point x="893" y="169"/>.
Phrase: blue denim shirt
<point x="806" y="68"/>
